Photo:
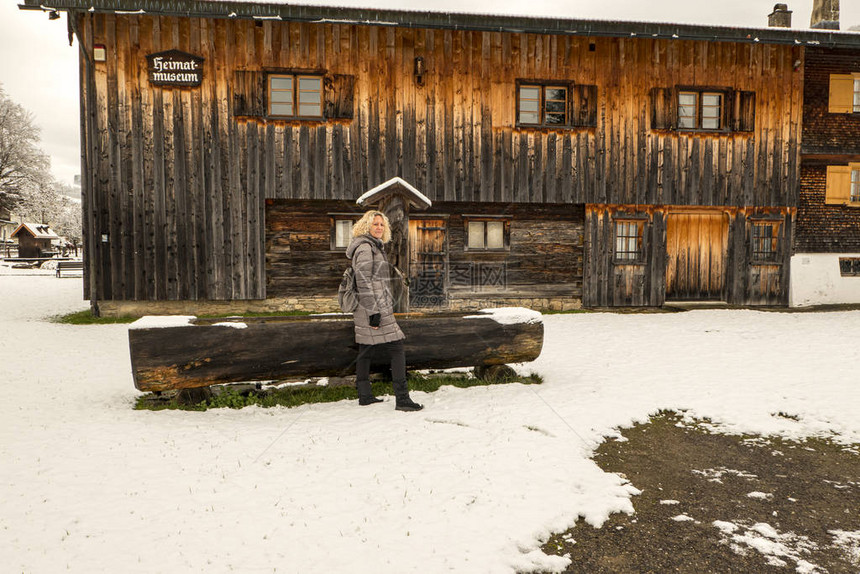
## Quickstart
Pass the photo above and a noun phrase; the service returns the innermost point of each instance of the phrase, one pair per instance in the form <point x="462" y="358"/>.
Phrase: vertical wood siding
<point x="696" y="252"/>
<point x="623" y="285"/>
<point x="179" y="181"/>
<point x="672" y="234"/>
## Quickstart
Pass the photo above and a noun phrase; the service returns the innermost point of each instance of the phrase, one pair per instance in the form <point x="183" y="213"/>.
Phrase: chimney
<point x="825" y="15"/>
<point x="780" y="17"/>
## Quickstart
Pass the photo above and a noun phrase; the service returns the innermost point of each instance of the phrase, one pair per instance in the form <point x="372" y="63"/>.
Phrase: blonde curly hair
<point x="362" y="226"/>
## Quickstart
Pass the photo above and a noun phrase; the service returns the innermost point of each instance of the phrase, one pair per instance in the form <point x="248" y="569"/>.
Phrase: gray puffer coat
<point x="373" y="280"/>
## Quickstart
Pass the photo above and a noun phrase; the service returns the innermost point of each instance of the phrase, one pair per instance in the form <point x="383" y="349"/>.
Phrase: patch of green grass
<point x="86" y="317"/>
<point x="295" y="396"/>
<point x="568" y="312"/>
<point x="259" y="314"/>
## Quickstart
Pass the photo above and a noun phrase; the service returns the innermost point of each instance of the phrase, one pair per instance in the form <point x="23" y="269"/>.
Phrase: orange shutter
<point x="841" y="94"/>
<point x="838" y="184"/>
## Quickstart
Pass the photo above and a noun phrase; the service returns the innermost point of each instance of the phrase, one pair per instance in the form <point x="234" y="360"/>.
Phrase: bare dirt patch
<point x="715" y="503"/>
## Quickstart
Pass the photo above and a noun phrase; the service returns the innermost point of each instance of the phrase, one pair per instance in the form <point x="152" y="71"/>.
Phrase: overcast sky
<point x="38" y="68"/>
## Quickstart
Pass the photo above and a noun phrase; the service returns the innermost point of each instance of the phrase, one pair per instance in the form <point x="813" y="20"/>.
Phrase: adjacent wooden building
<point x="826" y="266"/>
<point x="568" y="162"/>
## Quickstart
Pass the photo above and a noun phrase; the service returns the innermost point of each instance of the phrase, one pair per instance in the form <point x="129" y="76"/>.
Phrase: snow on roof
<point x="37" y="230"/>
<point x="415" y="197"/>
<point x="502" y="10"/>
<point x="463" y="16"/>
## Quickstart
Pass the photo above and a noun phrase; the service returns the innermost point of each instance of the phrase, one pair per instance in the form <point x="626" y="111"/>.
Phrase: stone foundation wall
<point x="538" y="304"/>
<point x="313" y="305"/>
<point x="141" y="308"/>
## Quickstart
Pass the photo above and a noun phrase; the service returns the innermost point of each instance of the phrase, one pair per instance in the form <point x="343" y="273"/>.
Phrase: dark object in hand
<point x="374" y="320"/>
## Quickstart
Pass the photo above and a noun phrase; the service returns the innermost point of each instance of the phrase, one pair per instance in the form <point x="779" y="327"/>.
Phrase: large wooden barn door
<point x="697" y="247"/>
<point x="428" y="262"/>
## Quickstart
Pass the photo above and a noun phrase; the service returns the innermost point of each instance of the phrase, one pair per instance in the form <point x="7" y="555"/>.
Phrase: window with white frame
<point x="854" y="196"/>
<point x="856" y="95"/>
<point x="486" y="234"/>
<point x="295" y="96"/>
<point x="543" y="105"/>
<point x="628" y="241"/>
<point x="341" y="234"/>
<point x="700" y="110"/>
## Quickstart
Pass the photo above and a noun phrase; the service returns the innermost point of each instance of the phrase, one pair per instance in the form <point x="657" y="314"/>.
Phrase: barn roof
<point x="281" y="10"/>
<point x="37" y="230"/>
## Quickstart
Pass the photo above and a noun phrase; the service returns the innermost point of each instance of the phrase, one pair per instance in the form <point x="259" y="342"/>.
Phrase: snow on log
<point x="185" y="352"/>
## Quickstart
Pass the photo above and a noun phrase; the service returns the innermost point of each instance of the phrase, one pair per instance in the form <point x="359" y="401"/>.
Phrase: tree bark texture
<point x="213" y="351"/>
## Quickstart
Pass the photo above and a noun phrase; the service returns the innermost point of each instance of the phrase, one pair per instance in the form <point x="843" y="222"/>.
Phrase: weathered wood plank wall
<point x="175" y="209"/>
<point x="545" y="257"/>
<point x="628" y="285"/>
<point x="299" y="256"/>
<point x="180" y="181"/>
<point x="742" y="280"/>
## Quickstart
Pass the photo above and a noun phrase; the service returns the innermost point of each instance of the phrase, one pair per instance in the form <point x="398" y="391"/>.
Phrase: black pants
<point x="393" y="351"/>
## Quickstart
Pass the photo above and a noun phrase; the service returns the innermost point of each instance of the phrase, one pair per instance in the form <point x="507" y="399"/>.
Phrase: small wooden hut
<point x="34" y="240"/>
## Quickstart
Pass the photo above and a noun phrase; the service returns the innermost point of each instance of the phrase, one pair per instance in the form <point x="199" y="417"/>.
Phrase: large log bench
<point x="181" y="352"/>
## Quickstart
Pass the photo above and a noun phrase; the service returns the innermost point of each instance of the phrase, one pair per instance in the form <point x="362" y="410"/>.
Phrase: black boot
<point x="365" y="394"/>
<point x="407" y="404"/>
<point x="403" y="402"/>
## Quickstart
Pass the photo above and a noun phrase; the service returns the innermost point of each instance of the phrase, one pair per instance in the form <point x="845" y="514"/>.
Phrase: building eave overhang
<point x="452" y="21"/>
<point x="395" y="186"/>
<point x="33" y="230"/>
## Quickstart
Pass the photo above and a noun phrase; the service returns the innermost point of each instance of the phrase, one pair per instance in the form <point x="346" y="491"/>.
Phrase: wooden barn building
<point x="569" y="163"/>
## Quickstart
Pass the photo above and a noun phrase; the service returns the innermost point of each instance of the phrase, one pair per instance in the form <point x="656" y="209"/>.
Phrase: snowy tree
<point x="47" y="205"/>
<point x="66" y="215"/>
<point x="24" y="167"/>
<point x="26" y="186"/>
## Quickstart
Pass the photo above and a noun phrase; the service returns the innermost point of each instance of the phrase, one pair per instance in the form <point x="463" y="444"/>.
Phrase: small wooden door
<point x="428" y="262"/>
<point x="697" y="250"/>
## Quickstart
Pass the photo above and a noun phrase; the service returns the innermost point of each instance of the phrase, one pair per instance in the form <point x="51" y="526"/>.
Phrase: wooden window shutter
<point x="730" y="99"/>
<point x="663" y="114"/>
<point x="583" y="108"/>
<point x="744" y="111"/>
<point x="841" y="94"/>
<point x="838" y="185"/>
<point x="339" y="96"/>
<point x="249" y="93"/>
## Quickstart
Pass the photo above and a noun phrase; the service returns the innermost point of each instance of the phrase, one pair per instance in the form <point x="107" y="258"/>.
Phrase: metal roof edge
<point x="453" y="20"/>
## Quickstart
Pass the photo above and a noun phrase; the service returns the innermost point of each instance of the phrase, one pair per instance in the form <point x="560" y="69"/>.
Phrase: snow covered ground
<point x="471" y="484"/>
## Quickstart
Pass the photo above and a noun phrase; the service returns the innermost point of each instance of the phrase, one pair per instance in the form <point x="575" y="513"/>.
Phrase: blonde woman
<point x="376" y="331"/>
